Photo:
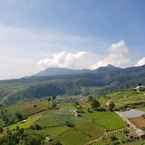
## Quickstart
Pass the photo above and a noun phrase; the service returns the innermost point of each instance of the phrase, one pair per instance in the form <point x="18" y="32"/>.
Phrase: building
<point x="139" y="88"/>
<point x="77" y="113"/>
<point x="136" y="135"/>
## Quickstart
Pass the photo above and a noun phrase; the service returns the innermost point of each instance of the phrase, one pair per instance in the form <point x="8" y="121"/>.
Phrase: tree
<point x="70" y="124"/>
<point x="1" y="130"/>
<point x="36" y="127"/>
<point x="110" y="105"/>
<point x="53" y="97"/>
<point x="49" y="99"/>
<point x="90" y="98"/>
<point x="52" y="104"/>
<point x="95" y="104"/>
<point x="19" y="116"/>
<point x="78" y="106"/>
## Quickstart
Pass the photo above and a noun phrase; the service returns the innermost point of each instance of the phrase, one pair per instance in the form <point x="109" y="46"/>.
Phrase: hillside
<point x="39" y="122"/>
<point x="100" y="81"/>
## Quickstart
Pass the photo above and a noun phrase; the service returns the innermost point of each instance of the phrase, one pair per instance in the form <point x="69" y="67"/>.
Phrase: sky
<point x="77" y="34"/>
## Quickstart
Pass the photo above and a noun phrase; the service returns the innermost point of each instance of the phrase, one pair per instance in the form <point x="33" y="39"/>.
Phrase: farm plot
<point x="108" y="120"/>
<point x="85" y="128"/>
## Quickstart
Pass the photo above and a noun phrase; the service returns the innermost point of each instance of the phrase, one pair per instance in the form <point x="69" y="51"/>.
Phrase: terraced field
<point x="55" y="123"/>
<point x="125" y="97"/>
<point x="60" y="124"/>
<point x="87" y="127"/>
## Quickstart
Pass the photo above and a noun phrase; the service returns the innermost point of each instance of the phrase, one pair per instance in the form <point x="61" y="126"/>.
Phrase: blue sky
<point x="37" y="34"/>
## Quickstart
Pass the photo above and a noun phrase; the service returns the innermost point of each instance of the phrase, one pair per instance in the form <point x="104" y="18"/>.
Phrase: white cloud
<point x="79" y="60"/>
<point x="141" y="62"/>
<point x="118" y="55"/>
<point x="21" y="49"/>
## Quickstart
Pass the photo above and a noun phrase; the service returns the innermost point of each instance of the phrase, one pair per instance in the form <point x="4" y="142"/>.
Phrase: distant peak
<point x="110" y="65"/>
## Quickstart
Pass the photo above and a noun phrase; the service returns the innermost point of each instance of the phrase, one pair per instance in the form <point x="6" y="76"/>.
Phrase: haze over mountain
<point x="67" y="71"/>
<point x="60" y="71"/>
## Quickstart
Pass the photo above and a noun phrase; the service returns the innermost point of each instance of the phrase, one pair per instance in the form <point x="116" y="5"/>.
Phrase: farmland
<point x="54" y="123"/>
<point x="86" y="128"/>
<point x="123" y="98"/>
<point x="59" y="123"/>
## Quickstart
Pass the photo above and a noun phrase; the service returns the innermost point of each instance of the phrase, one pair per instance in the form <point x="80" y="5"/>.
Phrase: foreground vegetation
<point x="54" y="121"/>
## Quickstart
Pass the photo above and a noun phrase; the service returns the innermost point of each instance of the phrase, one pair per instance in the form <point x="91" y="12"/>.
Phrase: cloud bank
<point x="77" y="60"/>
<point x="21" y="49"/>
<point x="24" y="52"/>
<point x="118" y="55"/>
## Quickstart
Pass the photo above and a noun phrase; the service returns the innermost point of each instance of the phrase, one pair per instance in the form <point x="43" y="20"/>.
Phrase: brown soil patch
<point x="138" y="122"/>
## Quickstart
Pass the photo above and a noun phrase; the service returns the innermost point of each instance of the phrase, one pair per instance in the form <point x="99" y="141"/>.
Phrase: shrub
<point x="69" y="124"/>
<point x="36" y="127"/>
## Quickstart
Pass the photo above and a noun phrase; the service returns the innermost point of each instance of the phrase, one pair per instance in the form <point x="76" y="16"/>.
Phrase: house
<point x="139" y="88"/>
<point x="77" y="113"/>
<point x="48" y="139"/>
<point x="136" y="135"/>
<point x="23" y="121"/>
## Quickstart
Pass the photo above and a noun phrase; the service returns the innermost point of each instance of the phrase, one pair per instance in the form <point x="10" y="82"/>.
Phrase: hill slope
<point x="102" y="80"/>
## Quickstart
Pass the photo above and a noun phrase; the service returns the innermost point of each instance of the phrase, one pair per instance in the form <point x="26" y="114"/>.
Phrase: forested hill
<point x="103" y="79"/>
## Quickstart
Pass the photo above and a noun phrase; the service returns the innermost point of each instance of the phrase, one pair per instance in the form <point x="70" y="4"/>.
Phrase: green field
<point x="86" y="128"/>
<point x="60" y="124"/>
<point x="54" y="122"/>
<point x="29" y="122"/>
<point x="124" y="97"/>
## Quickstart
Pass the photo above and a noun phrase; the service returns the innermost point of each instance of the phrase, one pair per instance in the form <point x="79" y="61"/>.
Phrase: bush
<point x="114" y="138"/>
<point x="20" y="116"/>
<point x="36" y="127"/>
<point x="69" y="124"/>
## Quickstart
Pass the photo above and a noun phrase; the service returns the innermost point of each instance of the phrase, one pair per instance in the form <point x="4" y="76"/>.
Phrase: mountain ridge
<point x="60" y="71"/>
<point x="101" y="80"/>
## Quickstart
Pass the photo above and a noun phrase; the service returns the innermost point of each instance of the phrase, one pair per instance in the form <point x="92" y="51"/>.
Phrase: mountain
<point x="50" y="72"/>
<point x="56" y="81"/>
<point x="60" y="71"/>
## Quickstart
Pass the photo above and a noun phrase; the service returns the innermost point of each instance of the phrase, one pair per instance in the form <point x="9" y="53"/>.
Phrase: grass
<point x="86" y="128"/>
<point x="53" y="122"/>
<point x="28" y="107"/>
<point x="123" y="97"/>
<point x="30" y="121"/>
<point x="73" y="137"/>
<point x="107" y="120"/>
<point x="121" y="138"/>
